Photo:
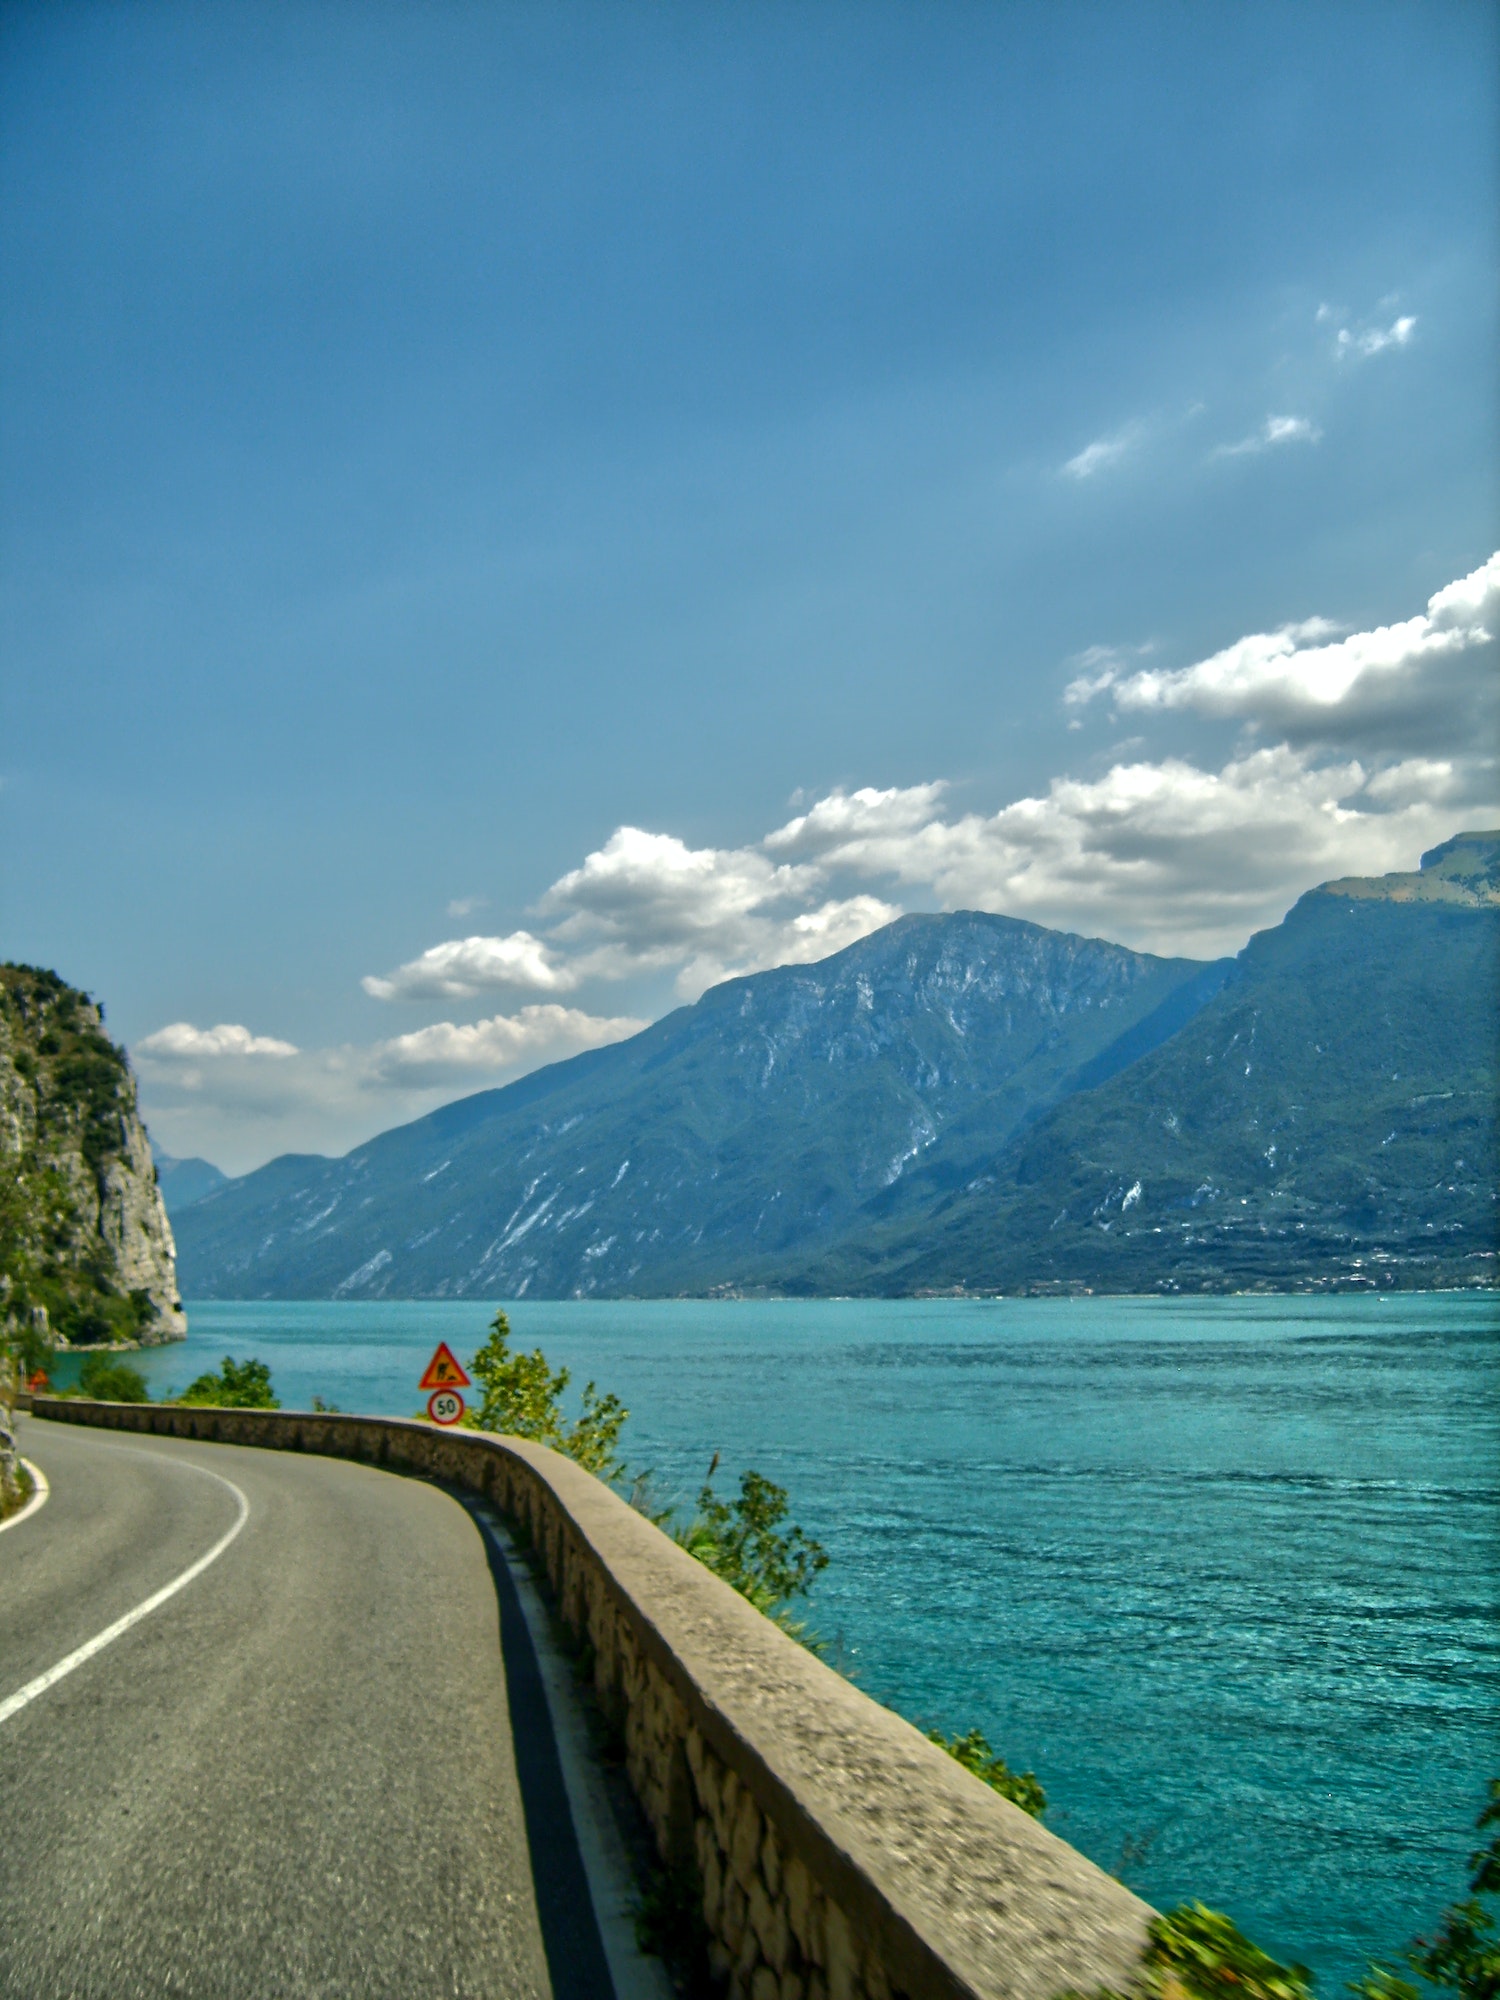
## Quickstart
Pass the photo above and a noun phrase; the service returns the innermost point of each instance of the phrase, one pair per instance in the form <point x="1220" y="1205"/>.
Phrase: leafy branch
<point x="744" y="1542"/>
<point x="973" y="1751"/>
<point x="523" y="1398"/>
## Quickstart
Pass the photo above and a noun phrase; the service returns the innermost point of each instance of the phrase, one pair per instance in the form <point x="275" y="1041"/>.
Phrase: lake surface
<point x="1225" y="1574"/>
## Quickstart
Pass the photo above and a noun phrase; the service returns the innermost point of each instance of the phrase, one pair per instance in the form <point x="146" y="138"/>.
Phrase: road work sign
<point x="443" y="1371"/>
<point x="445" y="1406"/>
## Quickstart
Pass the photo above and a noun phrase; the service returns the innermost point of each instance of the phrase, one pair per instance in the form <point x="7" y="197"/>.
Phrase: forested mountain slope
<point x="726" y="1141"/>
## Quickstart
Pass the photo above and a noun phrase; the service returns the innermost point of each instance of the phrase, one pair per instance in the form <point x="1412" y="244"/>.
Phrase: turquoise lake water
<point x="1225" y="1574"/>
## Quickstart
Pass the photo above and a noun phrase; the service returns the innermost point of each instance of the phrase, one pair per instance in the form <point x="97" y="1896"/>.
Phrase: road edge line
<point x="13" y="1704"/>
<point x="38" y="1497"/>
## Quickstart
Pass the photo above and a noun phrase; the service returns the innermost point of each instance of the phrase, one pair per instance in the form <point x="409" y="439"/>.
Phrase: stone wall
<point x="839" y="1855"/>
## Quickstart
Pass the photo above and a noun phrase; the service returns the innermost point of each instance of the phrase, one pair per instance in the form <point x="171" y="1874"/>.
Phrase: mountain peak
<point x="1464" y="870"/>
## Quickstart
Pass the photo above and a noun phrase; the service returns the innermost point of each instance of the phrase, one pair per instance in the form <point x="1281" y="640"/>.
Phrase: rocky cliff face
<point x="86" y="1251"/>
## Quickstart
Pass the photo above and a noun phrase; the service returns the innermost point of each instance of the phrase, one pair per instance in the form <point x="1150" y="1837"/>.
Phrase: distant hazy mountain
<point x="727" y="1143"/>
<point x="182" y="1182"/>
<point x="1329" y="1117"/>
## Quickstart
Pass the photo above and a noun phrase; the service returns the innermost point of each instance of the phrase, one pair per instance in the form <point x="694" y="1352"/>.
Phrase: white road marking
<point x="13" y="1704"/>
<point x="40" y="1490"/>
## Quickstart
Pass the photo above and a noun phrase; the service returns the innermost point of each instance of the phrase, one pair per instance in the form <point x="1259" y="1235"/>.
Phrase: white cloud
<point x="207" y="1093"/>
<point x="464" y="967"/>
<point x="1103" y="453"/>
<point x="1383" y="745"/>
<point x="1380" y="738"/>
<point x="465" y="906"/>
<point x="180" y="1041"/>
<point x="1102" y="667"/>
<point x="1274" y="431"/>
<point x="848" y="817"/>
<point x="448" y="1053"/>
<point x="1375" y="339"/>
<point x="647" y="902"/>
<point x="1428" y="679"/>
<point x="1166" y="855"/>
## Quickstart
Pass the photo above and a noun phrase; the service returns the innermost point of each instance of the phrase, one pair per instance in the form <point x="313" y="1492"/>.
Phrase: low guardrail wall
<point x="841" y="1856"/>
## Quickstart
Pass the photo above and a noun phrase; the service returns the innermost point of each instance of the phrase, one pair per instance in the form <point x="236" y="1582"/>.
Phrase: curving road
<point x="297" y="1775"/>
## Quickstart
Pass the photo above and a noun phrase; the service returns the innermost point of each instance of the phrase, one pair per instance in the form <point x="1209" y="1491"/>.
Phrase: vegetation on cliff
<point x="15" y="1481"/>
<point x="86" y="1252"/>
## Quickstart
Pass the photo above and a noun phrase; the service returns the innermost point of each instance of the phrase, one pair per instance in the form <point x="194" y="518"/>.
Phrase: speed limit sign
<point x="445" y="1406"/>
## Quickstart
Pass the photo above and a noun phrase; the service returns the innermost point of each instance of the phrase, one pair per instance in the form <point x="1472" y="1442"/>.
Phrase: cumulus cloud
<point x="1102" y="667"/>
<point x="1383" y="746"/>
<point x="464" y="967"/>
<point x="180" y="1041"/>
<point x="448" y="1053"/>
<point x="1274" y="431"/>
<point x="1425" y="681"/>
<point x="205" y="1092"/>
<point x="1379" y="740"/>
<point x="1359" y="346"/>
<point x="1103" y="453"/>
<point x="648" y="902"/>
<point x="1164" y="855"/>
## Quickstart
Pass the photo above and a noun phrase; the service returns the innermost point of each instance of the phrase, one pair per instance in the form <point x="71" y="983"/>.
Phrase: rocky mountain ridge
<point x="723" y="1141"/>
<point x="1327" y="1119"/>
<point x="959" y="1103"/>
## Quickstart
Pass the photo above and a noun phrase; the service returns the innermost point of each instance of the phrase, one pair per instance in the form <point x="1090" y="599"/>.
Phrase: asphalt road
<point x="298" y="1774"/>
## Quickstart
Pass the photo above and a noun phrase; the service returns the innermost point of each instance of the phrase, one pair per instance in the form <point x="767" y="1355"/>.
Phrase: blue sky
<point x="512" y="513"/>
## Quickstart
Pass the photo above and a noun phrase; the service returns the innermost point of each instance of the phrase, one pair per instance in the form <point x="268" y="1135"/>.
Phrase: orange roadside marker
<point x="443" y="1371"/>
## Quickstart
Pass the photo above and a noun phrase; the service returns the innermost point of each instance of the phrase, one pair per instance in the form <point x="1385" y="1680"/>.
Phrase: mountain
<point x="182" y="1182"/>
<point x="729" y="1141"/>
<point x="1328" y="1118"/>
<point x="958" y="1102"/>
<point x="86" y="1251"/>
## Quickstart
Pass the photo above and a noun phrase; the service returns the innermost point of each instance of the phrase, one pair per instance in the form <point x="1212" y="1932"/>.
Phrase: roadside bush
<point x="1200" y="1954"/>
<point x="974" y="1753"/>
<point x="105" y="1379"/>
<point x="744" y="1542"/>
<point x="239" y="1385"/>
<point x="523" y="1398"/>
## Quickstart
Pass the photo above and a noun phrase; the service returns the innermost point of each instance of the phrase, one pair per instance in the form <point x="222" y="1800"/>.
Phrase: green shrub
<point x="974" y="1753"/>
<point x="744" y="1542"/>
<point x="1200" y="1952"/>
<point x="239" y="1385"/>
<point x="523" y="1398"/>
<point x="105" y="1379"/>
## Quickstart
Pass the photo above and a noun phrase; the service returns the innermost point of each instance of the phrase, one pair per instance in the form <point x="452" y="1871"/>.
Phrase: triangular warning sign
<point x="443" y="1371"/>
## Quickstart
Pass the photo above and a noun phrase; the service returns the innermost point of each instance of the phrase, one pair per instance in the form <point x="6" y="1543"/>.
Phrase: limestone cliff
<point x="86" y="1251"/>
